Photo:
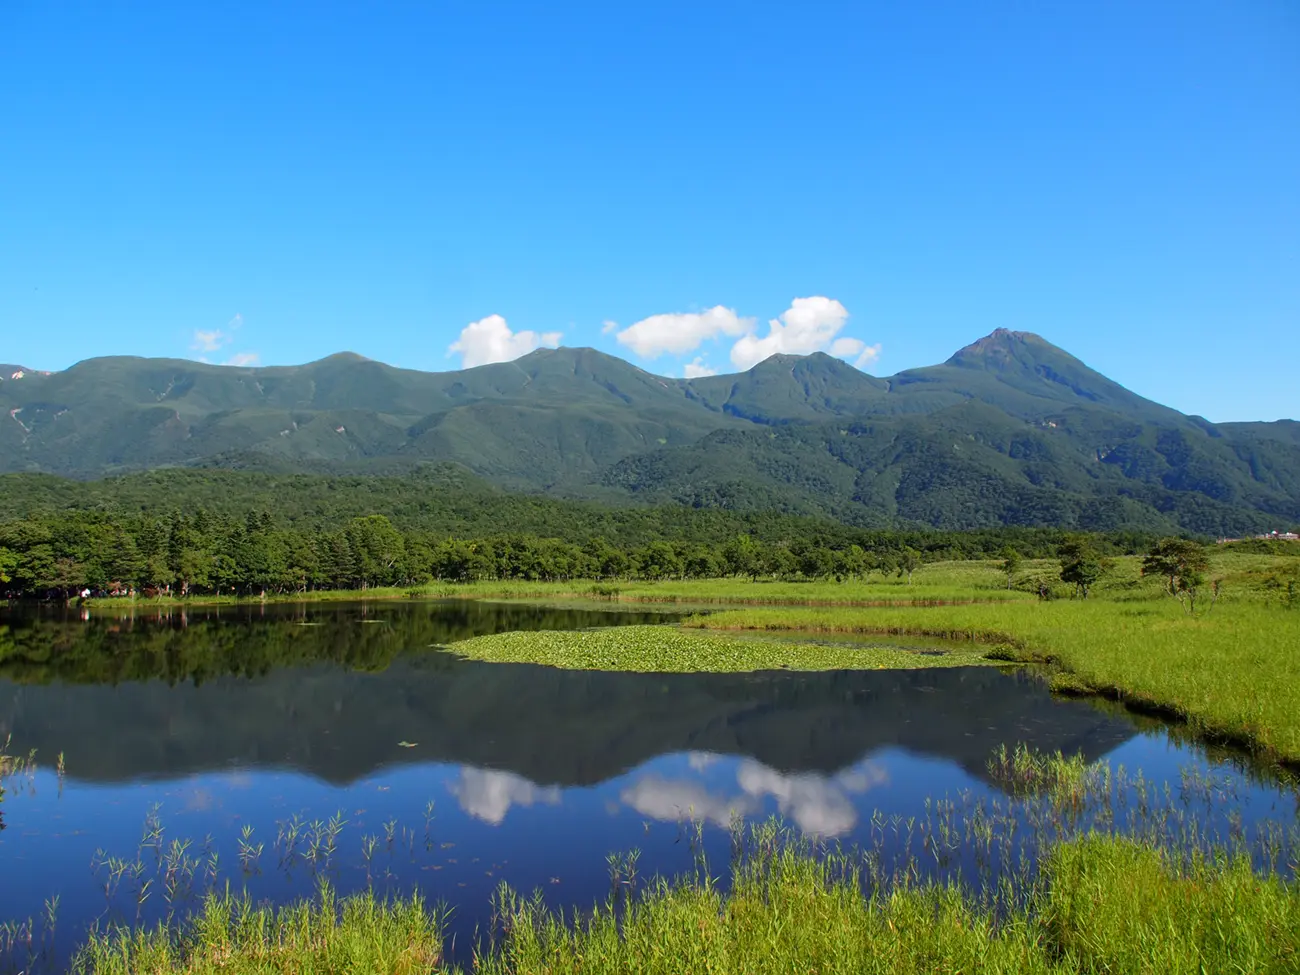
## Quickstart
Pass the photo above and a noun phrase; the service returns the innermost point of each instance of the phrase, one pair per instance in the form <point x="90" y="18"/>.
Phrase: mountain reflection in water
<point x="260" y="690"/>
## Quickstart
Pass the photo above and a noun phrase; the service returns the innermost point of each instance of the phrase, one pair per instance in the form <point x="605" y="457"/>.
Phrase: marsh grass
<point x="1022" y="771"/>
<point x="234" y="936"/>
<point x="14" y="766"/>
<point x="17" y="766"/>
<point x="658" y="648"/>
<point x="1110" y="905"/>
<point x="1100" y="903"/>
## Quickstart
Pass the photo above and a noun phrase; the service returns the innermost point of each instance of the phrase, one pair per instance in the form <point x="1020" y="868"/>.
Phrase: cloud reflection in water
<point x="488" y="795"/>
<point x="818" y="804"/>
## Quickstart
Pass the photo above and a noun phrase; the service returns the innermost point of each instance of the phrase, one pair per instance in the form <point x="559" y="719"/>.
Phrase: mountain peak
<point x="1000" y="345"/>
<point x="1030" y="364"/>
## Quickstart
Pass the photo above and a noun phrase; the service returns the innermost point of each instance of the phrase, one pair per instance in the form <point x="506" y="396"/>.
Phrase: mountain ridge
<point x="1010" y="429"/>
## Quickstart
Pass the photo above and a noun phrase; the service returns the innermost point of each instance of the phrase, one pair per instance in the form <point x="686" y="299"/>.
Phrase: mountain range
<point x="1009" y="430"/>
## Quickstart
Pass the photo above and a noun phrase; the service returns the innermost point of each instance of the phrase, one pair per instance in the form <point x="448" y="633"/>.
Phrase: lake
<point x="270" y="745"/>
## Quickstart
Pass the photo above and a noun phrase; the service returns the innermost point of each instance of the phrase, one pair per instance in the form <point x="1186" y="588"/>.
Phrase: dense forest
<point x="56" y="554"/>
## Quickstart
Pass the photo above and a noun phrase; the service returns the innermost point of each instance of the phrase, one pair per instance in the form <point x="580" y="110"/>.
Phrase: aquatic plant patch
<point x="649" y="649"/>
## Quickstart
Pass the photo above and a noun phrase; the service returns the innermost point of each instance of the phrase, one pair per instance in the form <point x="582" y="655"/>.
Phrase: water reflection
<point x="824" y="806"/>
<point x="470" y="774"/>
<point x="487" y="795"/>
<point x="550" y="726"/>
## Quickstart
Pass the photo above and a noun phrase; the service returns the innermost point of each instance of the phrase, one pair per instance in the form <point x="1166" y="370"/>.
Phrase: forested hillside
<point x="1009" y="431"/>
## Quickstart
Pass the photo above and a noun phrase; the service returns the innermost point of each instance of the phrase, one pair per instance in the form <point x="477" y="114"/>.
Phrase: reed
<point x="234" y="936"/>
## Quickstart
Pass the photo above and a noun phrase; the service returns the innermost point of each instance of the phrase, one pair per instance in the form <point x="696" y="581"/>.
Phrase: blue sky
<point x="287" y="180"/>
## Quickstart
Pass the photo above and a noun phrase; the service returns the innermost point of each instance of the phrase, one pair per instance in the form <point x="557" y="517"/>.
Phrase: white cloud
<point x="607" y="326"/>
<point x="861" y="354"/>
<point x="243" y="359"/>
<point x="681" y="333"/>
<point x="488" y="795"/>
<point x="214" y="339"/>
<point x="698" y="368"/>
<point x="491" y="340"/>
<point x="209" y="341"/>
<point x="808" y="325"/>
<point x="672" y="801"/>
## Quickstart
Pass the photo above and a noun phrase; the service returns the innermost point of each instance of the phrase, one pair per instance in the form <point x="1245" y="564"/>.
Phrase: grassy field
<point x="1245" y="576"/>
<point x="942" y="587"/>
<point x="1101" y="905"/>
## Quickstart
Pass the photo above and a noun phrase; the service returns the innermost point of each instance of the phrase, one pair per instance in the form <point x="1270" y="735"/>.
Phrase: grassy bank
<point x="1245" y="576"/>
<point x="657" y="649"/>
<point x="1233" y="673"/>
<point x="938" y="590"/>
<point x="1101" y="905"/>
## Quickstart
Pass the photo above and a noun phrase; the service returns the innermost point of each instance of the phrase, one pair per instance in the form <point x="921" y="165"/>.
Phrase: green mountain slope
<point x="1286" y="431"/>
<point x="791" y="387"/>
<point x="1010" y="430"/>
<point x="963" y="467"/>
<point x="552" y="413"/>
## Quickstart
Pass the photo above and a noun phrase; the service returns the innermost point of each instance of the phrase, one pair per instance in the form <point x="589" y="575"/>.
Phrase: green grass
<point x="1023" y="771"/>
<point x="1101" y="904"/>
<point x="1233" y="673"/>
<point x="233" y="936"/>
<point x="656" y="649"/>
<point x="1246" y="576"/>
<point x="1118" y="907"/>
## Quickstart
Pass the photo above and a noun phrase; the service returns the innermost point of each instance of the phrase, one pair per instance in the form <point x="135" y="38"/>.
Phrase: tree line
<point x="61" y="554"/>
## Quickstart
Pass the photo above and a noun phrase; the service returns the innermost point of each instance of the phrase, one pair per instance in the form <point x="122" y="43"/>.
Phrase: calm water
<point x="454" y="776"/>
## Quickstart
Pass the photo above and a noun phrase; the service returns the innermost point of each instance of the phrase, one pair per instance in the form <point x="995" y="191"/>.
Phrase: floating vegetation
<point x="648" y="649"/>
